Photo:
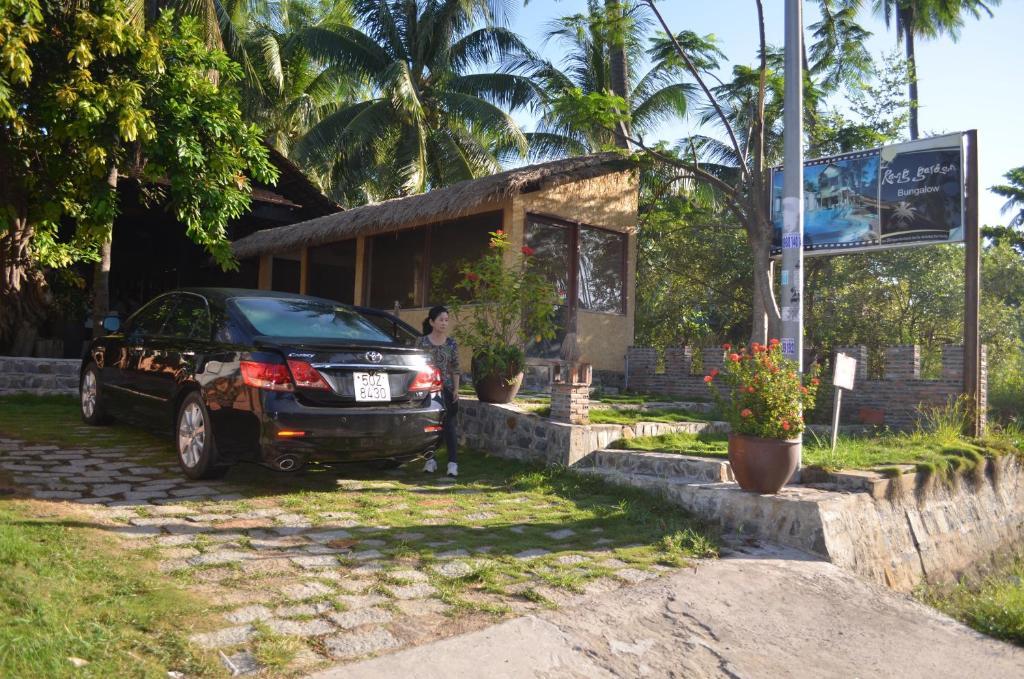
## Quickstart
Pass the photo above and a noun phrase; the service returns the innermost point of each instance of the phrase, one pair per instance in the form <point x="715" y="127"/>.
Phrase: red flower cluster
<point x="472" y="276"/>
<point x="746" y="412"/>
<point x="707" y="379"/>
<point x="734" y="357"/>
<point x="726" y="346"/>
<point x="528" y="251"/>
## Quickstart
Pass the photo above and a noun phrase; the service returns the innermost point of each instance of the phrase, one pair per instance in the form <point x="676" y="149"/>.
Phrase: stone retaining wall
<point x="39" y="375"/>
<point x="505" y="431"/>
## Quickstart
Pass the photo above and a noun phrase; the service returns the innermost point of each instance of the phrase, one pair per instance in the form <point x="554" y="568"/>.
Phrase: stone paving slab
<point x="340" y="584"/>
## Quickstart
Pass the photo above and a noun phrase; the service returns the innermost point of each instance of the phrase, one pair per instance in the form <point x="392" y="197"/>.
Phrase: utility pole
<point x="793" y="190"/>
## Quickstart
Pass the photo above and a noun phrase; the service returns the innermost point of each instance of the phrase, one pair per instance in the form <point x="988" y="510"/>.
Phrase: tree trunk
<point x="101" y="272"/>
<point x="912" y="75"/>
<point x="619" y="63"/>
<point x="23" y="294"/>
<point x="767" y="321"/>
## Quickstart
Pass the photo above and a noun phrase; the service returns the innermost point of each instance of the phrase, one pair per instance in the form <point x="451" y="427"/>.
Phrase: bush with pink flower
<point x="760" y="392"/>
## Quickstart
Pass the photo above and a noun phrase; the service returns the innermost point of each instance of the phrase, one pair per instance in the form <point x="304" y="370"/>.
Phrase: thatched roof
<point x="450" y="202"/>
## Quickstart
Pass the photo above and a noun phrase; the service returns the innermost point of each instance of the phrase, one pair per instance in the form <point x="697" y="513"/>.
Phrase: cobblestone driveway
<point x="351" y="562"/>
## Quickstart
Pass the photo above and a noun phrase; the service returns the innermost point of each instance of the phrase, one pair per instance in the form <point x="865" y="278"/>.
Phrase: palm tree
<point x="293" y="92"/>
<point x="433" y="114"/>
<point x="927" y="19"/>
<point x="589" y="65"/>
<point x="1013" y="191"/>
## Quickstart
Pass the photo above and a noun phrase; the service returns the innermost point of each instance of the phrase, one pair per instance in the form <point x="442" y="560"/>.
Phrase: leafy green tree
<point x="434" y="114"/>
<point x="92" y="97"/>
<point x="1013" y="191"/>
<point x="927" y="19"/>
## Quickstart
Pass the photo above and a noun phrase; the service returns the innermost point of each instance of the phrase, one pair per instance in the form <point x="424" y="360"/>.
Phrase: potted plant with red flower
<point x="510" y="306"/>
<point x="762" y="396"/>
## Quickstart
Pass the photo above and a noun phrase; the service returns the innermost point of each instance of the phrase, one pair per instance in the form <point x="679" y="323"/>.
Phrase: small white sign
<point x="846" y="368"/>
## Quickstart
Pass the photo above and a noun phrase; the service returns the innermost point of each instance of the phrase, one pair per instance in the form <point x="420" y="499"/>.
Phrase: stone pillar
<point x="903" y="362"/>
<point x="953" y="362"/>
<point x="570" y="392"/>
<point x="678" y="361"/>
<point x="713" y="357"/>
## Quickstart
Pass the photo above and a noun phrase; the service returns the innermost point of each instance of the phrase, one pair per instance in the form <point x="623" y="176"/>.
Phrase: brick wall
<point x="894" y="399"/>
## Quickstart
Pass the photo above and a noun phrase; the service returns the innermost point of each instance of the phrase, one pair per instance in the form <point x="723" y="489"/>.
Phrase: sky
<point x="976" y="83"/>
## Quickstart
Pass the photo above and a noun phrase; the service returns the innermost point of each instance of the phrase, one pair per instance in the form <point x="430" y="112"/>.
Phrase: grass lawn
<point x="70" y="592"/>
<point x="516" y="535"/>
<point x="992" y="606"/>
<point x="931" y="452"/>
<point x="56" y="419"/>
<point x="627" y="417"/>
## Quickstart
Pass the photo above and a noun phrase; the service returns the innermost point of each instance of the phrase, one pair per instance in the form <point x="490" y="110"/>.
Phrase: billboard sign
<point x="893" y="196"/>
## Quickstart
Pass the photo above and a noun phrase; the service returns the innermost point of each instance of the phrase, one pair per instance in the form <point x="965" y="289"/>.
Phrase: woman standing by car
<point x="445" y="352"/>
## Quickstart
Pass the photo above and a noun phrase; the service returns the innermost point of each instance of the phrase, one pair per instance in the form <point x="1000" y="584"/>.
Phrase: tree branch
<point x="744" y="169"/>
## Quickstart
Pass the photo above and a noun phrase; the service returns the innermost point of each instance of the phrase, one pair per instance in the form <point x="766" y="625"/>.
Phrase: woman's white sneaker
<point x="453" y="469"/>
<point x="431" y="466"/>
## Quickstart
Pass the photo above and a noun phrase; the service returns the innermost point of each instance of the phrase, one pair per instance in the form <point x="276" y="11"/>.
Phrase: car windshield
<point x="307" y="318"/>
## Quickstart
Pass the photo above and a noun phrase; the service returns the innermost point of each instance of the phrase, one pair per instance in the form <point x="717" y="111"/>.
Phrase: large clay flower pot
<point x="496" y="388"/>
<point x="762" y="465"/>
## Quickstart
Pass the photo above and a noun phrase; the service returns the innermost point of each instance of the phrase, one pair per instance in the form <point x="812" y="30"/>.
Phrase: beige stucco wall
<point x="610" y="202"/>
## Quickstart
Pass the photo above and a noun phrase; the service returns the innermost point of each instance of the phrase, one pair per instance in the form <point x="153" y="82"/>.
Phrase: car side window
<point x="190" y="319"/>
<point x="148" y="321"/>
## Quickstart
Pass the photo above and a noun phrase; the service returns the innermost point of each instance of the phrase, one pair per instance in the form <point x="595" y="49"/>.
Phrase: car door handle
<point x="188" y="353"/>
<point x="136" y="348"/>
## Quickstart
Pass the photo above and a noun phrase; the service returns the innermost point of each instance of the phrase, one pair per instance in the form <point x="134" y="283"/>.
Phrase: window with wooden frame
<point x="587" y="264"/>
<point x="418" y="267"/>
<point x="332" y="271"/>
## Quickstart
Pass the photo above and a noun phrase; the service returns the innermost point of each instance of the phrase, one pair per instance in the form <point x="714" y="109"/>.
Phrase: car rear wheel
<point x="197" y="453"/>
<point x="89" y="397"/>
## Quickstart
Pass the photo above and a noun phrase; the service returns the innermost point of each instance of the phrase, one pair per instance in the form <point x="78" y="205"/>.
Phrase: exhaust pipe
<point x="286" y="463"/>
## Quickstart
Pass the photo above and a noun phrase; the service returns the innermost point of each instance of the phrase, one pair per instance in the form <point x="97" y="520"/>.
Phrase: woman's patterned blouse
<point x="446" y="358"/>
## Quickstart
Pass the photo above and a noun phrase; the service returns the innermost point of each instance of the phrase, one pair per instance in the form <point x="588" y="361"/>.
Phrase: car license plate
<point x="372" y="386"/>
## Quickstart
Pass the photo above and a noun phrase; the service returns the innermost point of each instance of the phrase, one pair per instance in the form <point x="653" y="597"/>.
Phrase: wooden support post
<point x="266" y="276"/>
<point x="304" y="271"/>
<point x="359" y="295"/>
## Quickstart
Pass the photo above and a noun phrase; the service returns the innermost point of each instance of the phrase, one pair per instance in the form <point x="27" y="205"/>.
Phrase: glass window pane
<point x="190" y="319"/>
<point x="550" y="243"/>
<point x="396" y="269"/>
<point x="285" y="274"/>
<point x="332" y="271"/>
<point x="453" y="244"/>
<point x="148" y="320"/>
<point x="602" y="255"/>
<point x="307" y="319"/>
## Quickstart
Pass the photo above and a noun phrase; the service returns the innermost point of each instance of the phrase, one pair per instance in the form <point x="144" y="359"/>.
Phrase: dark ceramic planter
<point x="762" y="465"/>
<point x="500" y="388"/>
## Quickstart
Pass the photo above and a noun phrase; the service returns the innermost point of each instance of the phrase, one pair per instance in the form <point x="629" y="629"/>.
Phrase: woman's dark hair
<point x="432" y="316"/>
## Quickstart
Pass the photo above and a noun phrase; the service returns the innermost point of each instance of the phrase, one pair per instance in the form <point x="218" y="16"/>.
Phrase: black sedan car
<point x="269" y="377"/>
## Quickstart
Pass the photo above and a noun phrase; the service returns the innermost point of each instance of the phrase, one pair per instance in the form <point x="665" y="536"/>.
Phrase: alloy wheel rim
<point x="191" y="435"/>
<point x="89" y="394"/>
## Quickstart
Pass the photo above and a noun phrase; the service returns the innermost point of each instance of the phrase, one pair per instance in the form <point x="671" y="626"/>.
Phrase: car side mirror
<point x="112" y="323"/>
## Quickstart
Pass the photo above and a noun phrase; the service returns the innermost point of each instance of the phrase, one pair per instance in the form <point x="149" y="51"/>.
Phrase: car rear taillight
<point x="306" y="376"/>
<point x="427" y="380"/>
<point x="271" y="376"/>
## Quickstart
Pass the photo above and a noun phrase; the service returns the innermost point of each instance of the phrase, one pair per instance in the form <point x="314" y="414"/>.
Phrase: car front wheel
<point x="197" y="453"/>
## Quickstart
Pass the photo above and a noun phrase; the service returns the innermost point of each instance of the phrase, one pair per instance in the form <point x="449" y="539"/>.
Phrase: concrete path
<point x="769" y="613"/>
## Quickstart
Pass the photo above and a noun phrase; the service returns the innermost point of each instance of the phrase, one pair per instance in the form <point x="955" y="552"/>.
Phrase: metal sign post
<point x="842" y="378"/>
<point x="793" y="191"/>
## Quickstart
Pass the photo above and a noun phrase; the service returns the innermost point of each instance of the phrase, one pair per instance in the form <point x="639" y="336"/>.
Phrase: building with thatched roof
<point x="579" y="215"/>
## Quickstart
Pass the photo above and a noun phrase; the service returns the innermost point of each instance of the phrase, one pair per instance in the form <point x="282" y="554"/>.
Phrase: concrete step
<point x="683" y="468"/>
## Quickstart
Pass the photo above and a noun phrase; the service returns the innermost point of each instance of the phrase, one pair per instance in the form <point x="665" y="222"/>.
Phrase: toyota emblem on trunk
<point x="374" y="356"/>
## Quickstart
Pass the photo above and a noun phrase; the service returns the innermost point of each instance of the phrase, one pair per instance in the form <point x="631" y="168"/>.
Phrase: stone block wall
<point x="39" y="375"/>
<point x="895" y="398"/>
